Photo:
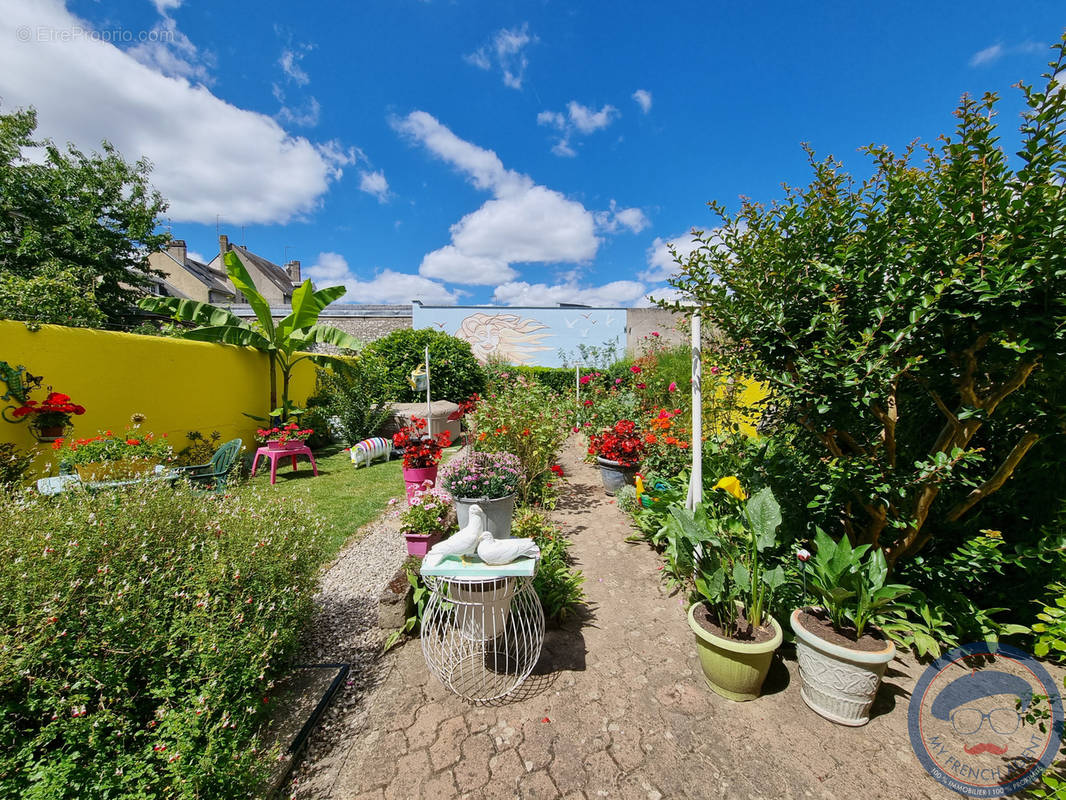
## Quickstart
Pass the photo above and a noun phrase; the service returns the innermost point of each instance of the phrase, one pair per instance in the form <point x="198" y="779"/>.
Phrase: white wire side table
<point x="483" y="626"/>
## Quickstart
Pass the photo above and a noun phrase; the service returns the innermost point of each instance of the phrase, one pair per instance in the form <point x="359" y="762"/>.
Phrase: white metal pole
<point x="577" y="393"/>
<point x="695" y="481"/>
<point x="429" y="403"/>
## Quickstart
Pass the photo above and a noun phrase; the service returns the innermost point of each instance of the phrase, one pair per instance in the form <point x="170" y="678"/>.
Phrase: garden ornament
<point x="463" y="543"/>
<point x="369" y="449"/>
<point x="504" y="551"/>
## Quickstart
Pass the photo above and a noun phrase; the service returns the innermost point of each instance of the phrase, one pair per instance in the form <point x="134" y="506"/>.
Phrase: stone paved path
<point x="617" y="707"/>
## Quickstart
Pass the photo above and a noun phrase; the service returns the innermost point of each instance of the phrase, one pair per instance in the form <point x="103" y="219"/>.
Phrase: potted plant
<point x="49" y="419"/>
<point x="284" y="437"/>
<point x="426" y="520"/>
<point x="421" y="454"/>
<point x="618" y="450"/>
<point x="488" y="479"/>
<point x="842" y="655"/>
<point x="735" y="634"/>
<point x="107" y="457"/>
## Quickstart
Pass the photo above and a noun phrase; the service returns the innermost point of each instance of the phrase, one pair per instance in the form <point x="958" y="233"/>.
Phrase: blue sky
<point x="497" y="152"/>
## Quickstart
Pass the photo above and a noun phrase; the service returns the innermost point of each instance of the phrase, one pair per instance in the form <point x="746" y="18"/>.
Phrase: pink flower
<point x="640" y="385"/>
<point x="654" y="333"/>
<point x="672" y="387"/>
<point x="585" y="379"/>
<point x="617" y="381"/>
<point x="715" y="370"/>
<point x="635" y="369"/>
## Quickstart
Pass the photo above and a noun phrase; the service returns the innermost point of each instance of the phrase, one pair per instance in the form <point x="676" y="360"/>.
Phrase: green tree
<point x="73" y="224"/>
<point x="454" y="372"/>
<point x="285" y="341"/>
<point x="914" y="323"/>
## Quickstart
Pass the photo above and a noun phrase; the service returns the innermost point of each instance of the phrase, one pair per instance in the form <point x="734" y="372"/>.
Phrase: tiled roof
<point x="278" y="276"/>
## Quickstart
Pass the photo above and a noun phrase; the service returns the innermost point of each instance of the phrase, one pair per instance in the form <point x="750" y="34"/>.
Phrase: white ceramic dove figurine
<point x="462" y="543"/>
<point x="504" y="551"/>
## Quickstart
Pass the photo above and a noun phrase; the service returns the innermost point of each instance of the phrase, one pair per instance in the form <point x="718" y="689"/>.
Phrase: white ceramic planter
<point x="837" y="682"/>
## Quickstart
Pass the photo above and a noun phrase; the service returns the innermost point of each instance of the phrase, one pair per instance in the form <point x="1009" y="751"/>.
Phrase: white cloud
<point x="987" y="56"/>
<point x="616" y="293"/>
<point x="290" y="65"/>
<point x="387" y="286"/>
<point x="169" y="51"/>
<point x="374" y="183"/>
<point x="524" y="222"/>
<point x="588" y="121"/>
<point x="617" y="218"/>
<point x="210" y="157"/>
<point x="305" y="116"/>
<point x="163" y="6"/>
<point x="195" y="256"/>
<point x="661" y="264"/>
<point x="505" y="49"/>
<point x="578" y="119"/>
<point x="450" y="262"/>
<point x="643" y="98"/>
<point x="997" y="51"/>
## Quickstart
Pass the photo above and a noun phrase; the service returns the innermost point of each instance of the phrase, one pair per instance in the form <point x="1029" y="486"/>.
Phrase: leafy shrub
<point x="54" y="297"/>
<point x="454" y="372"/>
<point x="558" y="585"/>
<point x="139" y="636"/>
<point x="351" y="399"/>
<point x="558" y="379"/>
<point x="1051" y="629"/>
<point x="523" y="418"/>
<point x="14" y="464"/>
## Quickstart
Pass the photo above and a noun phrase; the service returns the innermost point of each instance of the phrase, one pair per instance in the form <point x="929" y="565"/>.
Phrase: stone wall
<point x="367" y="329"/>
<point x="641" y="322"/>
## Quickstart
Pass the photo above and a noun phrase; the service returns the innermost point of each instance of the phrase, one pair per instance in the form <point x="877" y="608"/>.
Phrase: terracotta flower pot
<point x="615" y="475"/>
<point x="49" y="433"/>
<point x="416" y="478"/>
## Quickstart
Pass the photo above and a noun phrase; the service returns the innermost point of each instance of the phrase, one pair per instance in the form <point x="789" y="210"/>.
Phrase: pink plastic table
<point x="274" y="455"/>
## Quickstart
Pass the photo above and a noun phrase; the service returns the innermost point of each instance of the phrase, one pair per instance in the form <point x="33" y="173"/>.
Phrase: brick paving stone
<point x="629" y="714"/>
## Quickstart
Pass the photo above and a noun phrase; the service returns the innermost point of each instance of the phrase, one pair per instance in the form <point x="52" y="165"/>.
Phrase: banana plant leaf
<point x="244" y="284"/>
<point x="190" y="311"/>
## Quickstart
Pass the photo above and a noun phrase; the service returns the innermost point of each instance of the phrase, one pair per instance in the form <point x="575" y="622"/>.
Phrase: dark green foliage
<point x="454" y="372"/>
<point x="74" y="230"/>
<point x="139" y="635"/>
<point x="199" y="449"/>
<point x="559" y="379"/>
<point x="911" y="324"/>
<point x="352" y="397"/>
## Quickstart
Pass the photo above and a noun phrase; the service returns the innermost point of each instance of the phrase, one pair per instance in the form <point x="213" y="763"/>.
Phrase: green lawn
<point x="345" y="497"/>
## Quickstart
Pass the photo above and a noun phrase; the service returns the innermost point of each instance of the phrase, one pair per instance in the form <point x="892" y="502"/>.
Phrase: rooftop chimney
<point x="293" y="268"/>
<point x="223" y="245"/>
<point x="176" y="248"/>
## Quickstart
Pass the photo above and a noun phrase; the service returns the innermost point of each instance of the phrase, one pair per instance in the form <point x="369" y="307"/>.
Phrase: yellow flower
<point x="993" y="534"/>
<point x="732" y="485"/>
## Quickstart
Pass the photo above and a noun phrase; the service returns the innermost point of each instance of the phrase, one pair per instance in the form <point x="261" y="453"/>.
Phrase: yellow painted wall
<point x="178" y="385"/>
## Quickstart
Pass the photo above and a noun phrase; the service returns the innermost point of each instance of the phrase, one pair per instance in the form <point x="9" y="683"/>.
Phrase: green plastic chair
<point x="212" y="476"/>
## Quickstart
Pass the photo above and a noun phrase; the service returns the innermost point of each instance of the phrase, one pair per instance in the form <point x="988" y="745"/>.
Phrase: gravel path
<point x="345" y="630"/>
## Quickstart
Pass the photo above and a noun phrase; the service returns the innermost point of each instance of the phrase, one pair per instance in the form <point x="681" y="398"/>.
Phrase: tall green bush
<point x="139" y="636"/>
<point x="454" y="372"/>
<point x="352" y="396"/>
<point x="911" y="323"/>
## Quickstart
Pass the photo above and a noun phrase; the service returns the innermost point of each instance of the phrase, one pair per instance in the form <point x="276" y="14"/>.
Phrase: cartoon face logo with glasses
<point x="966" y="720"/>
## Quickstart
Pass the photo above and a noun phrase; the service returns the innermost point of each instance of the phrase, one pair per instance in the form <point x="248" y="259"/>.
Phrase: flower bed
<point x="141" y="634"/>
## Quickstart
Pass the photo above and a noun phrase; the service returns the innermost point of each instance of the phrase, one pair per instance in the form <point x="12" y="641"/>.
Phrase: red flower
<point x="635" y="369"/>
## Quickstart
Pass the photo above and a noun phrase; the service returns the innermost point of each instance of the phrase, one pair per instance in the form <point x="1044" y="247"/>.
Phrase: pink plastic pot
<point x="418" y="544"/>
<point x="415" y="479"/>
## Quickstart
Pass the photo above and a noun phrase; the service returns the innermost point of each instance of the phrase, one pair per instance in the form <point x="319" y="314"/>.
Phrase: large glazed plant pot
<point x="735" y="670"/>
<point x="415" y="479"/>
<point x="838" y="682"/>
<point x="499" y="513"/>
<point x="614" y="475"/>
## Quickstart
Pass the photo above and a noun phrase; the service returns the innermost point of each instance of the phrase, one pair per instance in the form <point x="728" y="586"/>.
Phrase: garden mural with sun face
<point x="529" y="336"/>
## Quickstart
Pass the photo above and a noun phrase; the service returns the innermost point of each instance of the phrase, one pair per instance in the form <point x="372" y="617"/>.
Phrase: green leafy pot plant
<point x="842" y="655"/>
<point x="735" y="635"/>
<point x="426" y="520"/>
<point x="488" y="479"/>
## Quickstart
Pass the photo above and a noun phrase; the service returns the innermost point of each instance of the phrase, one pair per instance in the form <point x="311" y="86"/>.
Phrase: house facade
<point x="188" y="278"/>
<point x="274" y="282"/>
